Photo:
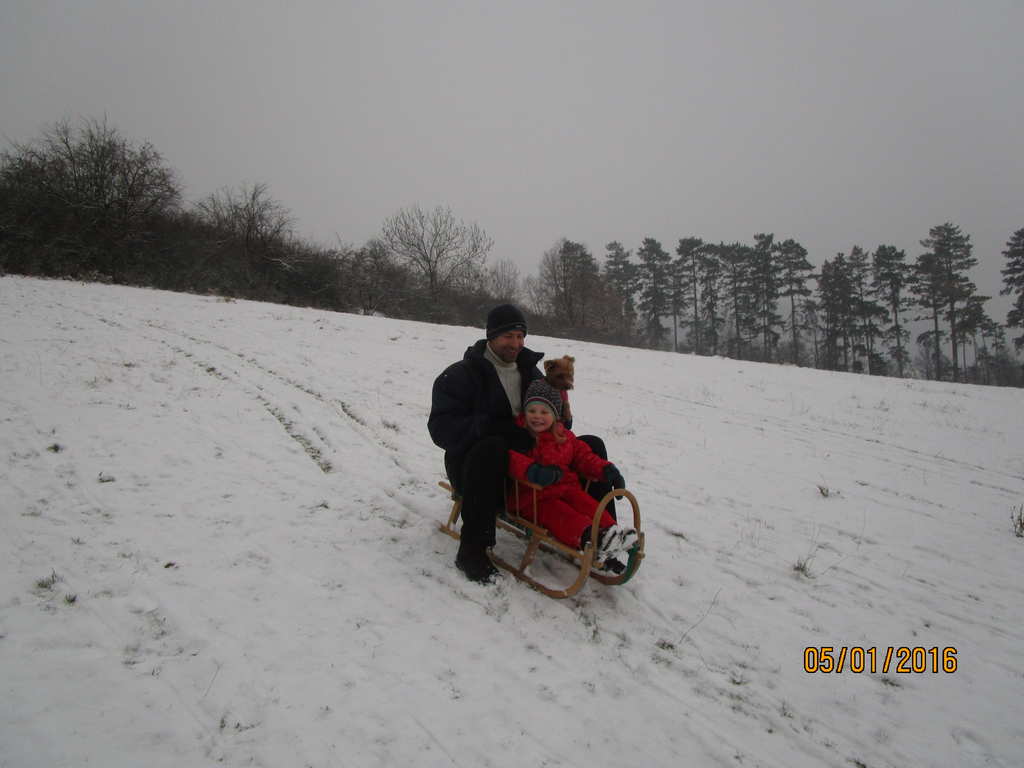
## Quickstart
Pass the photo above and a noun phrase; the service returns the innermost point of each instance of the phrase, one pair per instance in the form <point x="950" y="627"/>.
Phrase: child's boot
<point x="629" y="539"/>
<point x="609" y="542"/>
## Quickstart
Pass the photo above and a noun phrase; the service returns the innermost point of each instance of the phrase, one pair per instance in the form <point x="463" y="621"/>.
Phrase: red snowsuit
<point x="564" y="508"/>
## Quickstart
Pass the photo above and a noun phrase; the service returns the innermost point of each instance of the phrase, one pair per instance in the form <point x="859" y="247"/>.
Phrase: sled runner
<point x="538" y="537"/>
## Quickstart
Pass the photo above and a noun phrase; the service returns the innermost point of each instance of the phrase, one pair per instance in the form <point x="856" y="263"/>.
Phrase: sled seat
<point x="537" y="537"/>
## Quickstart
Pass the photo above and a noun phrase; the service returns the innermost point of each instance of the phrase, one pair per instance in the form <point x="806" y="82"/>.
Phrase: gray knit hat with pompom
<point x="540" y="391"/>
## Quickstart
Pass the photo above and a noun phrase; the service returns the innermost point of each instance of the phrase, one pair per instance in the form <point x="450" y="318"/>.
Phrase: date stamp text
<point x="858" y="659"/>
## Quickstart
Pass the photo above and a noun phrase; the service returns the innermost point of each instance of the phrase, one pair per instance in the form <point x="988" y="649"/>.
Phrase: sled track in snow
<point x="336" y="406"/>
<point x="310" y="437"/>
<point x="287" y="424"/>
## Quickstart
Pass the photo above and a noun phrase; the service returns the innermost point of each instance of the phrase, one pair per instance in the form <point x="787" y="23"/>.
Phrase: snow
<point x="242" y="500"/>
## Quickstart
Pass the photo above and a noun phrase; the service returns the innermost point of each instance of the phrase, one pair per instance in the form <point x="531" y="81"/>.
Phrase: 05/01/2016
<point x="857" y="659"/>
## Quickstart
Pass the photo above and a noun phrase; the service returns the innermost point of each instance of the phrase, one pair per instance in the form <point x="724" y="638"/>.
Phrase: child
<point x="563" y="507"/>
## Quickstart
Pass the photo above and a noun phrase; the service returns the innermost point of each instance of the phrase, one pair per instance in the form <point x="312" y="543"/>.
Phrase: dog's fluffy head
<point x="560" y="372"/>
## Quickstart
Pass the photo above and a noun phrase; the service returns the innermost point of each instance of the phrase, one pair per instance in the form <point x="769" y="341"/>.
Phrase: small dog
<point x="560" y="374"/>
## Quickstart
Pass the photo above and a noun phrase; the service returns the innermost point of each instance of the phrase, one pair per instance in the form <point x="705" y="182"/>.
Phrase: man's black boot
<point x="473" y="561"/>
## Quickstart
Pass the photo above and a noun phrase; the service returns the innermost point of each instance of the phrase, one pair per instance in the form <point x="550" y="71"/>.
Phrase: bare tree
<point x="375" y="282"/>
<point x="446" y="252"/>
<point x="252" y="225"/>
<point x="248" y="214"/>
<point x="536" y="297"/>
<point x="503" y="281"/>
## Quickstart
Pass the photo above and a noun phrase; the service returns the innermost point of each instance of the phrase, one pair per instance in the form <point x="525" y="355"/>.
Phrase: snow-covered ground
<point x="220" y="546"/>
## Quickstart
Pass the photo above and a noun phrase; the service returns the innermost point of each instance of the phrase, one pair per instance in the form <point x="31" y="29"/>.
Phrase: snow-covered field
<point x="220" y="547"/>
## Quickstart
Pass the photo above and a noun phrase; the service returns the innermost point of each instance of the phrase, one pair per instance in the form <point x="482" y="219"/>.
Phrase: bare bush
<point x="81" y="199"/>
<point x="252" y="226"/>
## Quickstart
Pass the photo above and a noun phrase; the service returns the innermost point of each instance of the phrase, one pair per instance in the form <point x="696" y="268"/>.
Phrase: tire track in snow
<point x="367" y="434"/>
<point x="311" y="437"/>
<point x="308" y="446"/>
<point x="409" y="492"/>
<point x="287" y="424"/>
<point x="327" y="440"/>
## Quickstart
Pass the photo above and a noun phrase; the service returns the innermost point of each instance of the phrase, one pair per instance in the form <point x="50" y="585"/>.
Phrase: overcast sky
<point x="834" y="123"/>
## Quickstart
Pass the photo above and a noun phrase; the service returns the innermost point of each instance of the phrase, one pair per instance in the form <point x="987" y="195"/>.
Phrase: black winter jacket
<point x="468" y="401"/>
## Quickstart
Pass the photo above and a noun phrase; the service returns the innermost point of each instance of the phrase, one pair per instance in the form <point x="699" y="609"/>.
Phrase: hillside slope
<point x="241" y="500"/>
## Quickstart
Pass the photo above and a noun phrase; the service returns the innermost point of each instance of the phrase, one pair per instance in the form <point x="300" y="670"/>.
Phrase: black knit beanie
<point x="504" y="318"/>
<point x="540" y="391"/>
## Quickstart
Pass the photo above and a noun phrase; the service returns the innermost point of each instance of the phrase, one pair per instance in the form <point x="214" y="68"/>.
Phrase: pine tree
<point x="930" y="365"/>
<point x="941" y="282"/>
<point x="890" y="276"/>
<point x="926" y="285"/>
<point x="868" y="311"/>
<point x="794" y="271"/>
<point x="582" y="282"/>
<point x="678" y="297"/>
<point x="620" y="271"/>
<point x="737" y="267"/>
<point x="1013" y="282"/>
<point x="1000" y="368"/>
<point x="835" y="291"/>
<point x="711" y="305"/>
<point x="766" y="272"/>
<point x="971" y="320"/>
<point x="991" y="335"/>
<point x="654" y="279"/>
<point x="619" y="274"/>
<point x="690" y="251"/>
<point x="809" y="310"/>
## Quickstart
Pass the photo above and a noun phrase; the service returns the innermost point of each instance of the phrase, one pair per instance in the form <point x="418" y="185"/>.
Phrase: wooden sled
<point x="538" y="537"/>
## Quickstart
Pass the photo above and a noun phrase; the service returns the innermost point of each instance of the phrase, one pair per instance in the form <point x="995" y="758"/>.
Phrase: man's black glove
<point x="543" y="475"/>
<point x="613" y="476"/>
<point x="516" y="438"/>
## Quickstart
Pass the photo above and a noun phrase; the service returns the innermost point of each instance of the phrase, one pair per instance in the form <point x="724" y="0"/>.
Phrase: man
<point x="472" y="416"/>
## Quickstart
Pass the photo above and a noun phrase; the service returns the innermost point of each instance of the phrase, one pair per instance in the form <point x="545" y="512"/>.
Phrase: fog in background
<point x="832" y="123"/>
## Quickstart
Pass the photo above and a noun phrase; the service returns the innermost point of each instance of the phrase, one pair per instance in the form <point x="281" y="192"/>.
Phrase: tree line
<point x="765" y="301"/>
<point x="83" y="201"/>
